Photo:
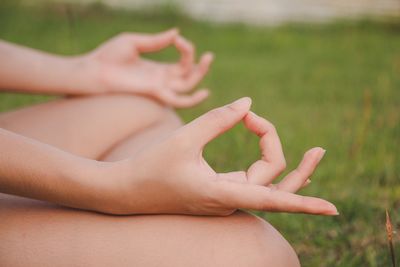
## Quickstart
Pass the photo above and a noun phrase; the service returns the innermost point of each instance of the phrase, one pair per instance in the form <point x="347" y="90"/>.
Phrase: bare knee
<point x="126" y="117"/>
<point x="247" y="240"/>
<point x="81" y="119"/>
<point x="240" y="240"/>
<point x="90" y="239"/>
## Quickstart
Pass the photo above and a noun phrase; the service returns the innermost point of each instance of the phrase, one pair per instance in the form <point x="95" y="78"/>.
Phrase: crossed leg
<point x="35" y="233"/>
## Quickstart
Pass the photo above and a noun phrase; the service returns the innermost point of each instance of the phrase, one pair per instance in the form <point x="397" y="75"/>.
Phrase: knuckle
<point x="261" y="205"/>
<point x="280" y="166"/>
<point x="217" y="196"/>
<point x="211" y="194"/>
<point x="190" y="47"/>
<point x="305" y="170"/>
<point x="211" y="202"/>
<point x="303" y="204"/>
<point x="271" y="127"/>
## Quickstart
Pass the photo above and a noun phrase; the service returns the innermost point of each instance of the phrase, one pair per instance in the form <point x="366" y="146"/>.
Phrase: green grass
<point x="333" y="85"/>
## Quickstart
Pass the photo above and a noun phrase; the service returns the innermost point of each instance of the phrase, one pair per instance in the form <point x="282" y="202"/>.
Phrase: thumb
<point x="217" y="121"/>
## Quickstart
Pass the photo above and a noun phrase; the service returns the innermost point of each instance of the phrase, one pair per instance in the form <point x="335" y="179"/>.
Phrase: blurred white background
<point x="267" y="11"/>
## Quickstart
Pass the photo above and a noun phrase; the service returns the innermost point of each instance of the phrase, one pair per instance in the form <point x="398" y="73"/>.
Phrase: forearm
<point x="27" y="70"/>
<point x="32" y="169"/>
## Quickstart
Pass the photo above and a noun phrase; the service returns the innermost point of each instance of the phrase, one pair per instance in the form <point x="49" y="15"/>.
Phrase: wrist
<point x="105" y="186"/>
<point x="86" y="184"/>
<point x="82" y="76"/>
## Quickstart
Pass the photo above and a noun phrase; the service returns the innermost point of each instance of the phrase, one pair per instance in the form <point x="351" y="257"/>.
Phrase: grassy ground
<point x="335" y="86"/>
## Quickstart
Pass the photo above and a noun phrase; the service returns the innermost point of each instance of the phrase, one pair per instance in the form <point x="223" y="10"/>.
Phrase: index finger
<point x="146" y="43"/>
<point x="272" y="161"/>
<point x="187" y="52"/>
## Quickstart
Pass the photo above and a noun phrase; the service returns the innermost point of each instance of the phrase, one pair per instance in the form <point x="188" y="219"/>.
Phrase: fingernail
<point x="321" y="154"/>
<point x="173" y="31"/>
<point x="333" y="210"/>
<point x="244" y="101"/>
<point x="208" y="58"/>
<point x="210" y="54"/>
<point x="204" y="92"/>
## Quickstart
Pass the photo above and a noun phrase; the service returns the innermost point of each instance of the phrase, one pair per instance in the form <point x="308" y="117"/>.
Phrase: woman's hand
<point x="117" y="66"/>
<point x="114" y="67"/>
<point x="173" y="177"/>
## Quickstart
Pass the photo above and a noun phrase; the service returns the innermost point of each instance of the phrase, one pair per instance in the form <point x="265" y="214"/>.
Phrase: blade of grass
<point x="389" y="232"/>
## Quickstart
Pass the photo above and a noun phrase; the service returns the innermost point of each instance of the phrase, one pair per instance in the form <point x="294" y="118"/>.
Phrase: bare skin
<point x="114" y="67"/>
<point x="90" y="239"/>
<point x="39" y="234"/>
<point x="129" y="154"/>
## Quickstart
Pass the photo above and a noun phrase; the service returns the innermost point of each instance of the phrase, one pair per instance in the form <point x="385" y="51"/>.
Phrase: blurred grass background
<point x="333" y="85"/>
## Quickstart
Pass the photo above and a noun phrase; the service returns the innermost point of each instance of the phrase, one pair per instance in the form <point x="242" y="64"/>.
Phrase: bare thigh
<point x="35" y="233"/>
<point x="86" y="126"/>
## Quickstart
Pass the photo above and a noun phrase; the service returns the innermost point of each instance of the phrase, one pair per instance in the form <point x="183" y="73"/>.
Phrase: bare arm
<point x="114" y="67"/>
<point x="168" y="177"/>
<point x="36" y="170"/>
<point x="28" y="70"/>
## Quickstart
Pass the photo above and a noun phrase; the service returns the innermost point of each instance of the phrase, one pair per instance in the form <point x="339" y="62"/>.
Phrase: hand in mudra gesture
<point x="172" y="176"/>
<point x="120" y="68"/>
